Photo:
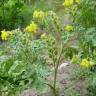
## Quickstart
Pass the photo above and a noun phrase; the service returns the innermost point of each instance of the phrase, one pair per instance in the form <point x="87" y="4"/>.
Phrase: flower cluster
<point x="69" y="28"/>
<point x="31" y="28"/>
<point x="86" y="63"/>
<point x="4" y="35"/>
<point x="68" y="3"/>
<point x="38" y="14"/>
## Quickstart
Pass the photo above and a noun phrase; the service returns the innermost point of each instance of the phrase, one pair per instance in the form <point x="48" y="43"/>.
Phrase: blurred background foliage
<point x="18" y="13"/>
<point x="86" y="15"/>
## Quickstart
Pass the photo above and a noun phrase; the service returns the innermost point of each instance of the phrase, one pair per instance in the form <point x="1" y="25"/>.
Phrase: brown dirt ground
<point x="66" y="82"/>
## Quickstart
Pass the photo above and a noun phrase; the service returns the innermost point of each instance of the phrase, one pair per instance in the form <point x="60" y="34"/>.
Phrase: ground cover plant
<point x="36" y="43"/>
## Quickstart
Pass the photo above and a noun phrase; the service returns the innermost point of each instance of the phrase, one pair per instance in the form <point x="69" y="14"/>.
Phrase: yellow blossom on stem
<point x="38" y="14"/>
<point x="68" y="3"/>
<point x="31" y="28"/>
<point x="69" y="28"/>
<point x="4" y="35"/>
<point x="85" y="63"/>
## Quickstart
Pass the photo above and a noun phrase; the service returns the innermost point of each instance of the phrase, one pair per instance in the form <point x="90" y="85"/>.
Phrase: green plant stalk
<point x="56" y="71"/>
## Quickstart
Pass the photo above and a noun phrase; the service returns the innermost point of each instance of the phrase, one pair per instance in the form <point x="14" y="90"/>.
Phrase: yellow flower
<point x="39" y="14"/>
<point x="31" y="28"/>
<point x="68" y="3"/>
<point x="77" y="1"/>
<point x="69" y="28"/>
<point x="4" y="35"/>
<point x="86" y="63"/>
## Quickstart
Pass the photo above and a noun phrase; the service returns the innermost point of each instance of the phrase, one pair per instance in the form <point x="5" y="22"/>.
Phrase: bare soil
<point x="66" y="82"/>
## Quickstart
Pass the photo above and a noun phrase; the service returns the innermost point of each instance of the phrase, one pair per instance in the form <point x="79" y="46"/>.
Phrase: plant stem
<point x="56" y="71"/>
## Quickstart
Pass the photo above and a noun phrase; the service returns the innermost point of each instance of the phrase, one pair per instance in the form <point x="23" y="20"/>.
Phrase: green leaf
<point x="17" y="68"/>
